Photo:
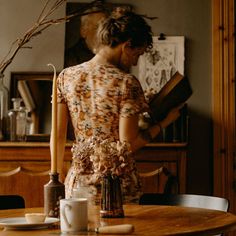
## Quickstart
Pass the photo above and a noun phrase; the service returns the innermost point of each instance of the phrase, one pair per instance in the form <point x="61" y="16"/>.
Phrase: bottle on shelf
<point x="17" y="121"/>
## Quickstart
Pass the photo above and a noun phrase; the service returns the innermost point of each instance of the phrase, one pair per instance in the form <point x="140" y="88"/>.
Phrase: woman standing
<point x="104" y="101"/>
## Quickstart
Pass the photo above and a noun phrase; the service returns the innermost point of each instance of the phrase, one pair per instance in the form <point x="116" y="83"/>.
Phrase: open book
<point x="176" y="91"/>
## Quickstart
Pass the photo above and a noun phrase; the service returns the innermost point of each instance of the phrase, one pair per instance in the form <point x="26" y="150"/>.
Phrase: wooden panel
<point x="156" y="183"/>
<point x="173" y="158"/>
<point x="223" y="79"/>
<point x="27" y="180"/>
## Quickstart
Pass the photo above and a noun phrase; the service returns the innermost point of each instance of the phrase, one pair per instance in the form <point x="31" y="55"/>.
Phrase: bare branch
<point x="42" y="23"/>
<point x="149" y="17"/>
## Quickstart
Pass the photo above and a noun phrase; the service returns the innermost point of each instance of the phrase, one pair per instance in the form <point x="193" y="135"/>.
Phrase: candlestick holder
<point x="111" y="202"/>
<point x="54" y="190"/>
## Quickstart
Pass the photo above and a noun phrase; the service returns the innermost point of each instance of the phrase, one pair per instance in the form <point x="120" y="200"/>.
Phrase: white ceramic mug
<point x="73" y="215"/>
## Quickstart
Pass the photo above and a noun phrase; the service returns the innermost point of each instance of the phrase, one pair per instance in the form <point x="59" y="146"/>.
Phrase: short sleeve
<point x="60" y="88"/>
<point x="133" y="100"/>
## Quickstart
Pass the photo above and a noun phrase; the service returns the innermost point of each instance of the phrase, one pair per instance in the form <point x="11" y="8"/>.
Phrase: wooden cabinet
<point x="25" y="167"/>
<point x="171" y="156"/>
<point x="24" y="170"/>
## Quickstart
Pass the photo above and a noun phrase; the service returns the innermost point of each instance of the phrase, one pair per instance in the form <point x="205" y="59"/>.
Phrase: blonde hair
<point x="124" y="26"/>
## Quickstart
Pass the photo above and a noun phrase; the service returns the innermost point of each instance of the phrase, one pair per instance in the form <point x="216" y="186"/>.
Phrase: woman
<point x="104" y="101"/>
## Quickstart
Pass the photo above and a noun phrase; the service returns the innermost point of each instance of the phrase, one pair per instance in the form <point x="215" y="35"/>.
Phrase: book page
<point x="160" y="63"/>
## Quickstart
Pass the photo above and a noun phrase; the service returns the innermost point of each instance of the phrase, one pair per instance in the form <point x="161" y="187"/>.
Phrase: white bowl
<point x="34" y="218"/>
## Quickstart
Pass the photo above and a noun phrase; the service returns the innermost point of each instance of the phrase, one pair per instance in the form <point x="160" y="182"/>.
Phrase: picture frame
<point x="35" y="89"/>
<point x="159" y="64"/>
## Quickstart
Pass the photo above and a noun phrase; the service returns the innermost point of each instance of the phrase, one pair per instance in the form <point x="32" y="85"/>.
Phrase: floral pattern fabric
<point x="96" y="96"/>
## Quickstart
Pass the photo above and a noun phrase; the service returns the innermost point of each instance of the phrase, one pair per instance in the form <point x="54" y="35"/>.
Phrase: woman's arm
<point x="62" y="122"/>
<point x="129" y="130"/>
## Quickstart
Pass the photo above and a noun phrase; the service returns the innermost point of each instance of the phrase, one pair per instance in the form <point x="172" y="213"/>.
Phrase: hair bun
<point x="119" y="12"/>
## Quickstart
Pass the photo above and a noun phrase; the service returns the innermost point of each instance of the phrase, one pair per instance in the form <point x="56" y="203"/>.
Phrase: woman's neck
<point x="107" y="55"/>
<point x="110" y="56"/>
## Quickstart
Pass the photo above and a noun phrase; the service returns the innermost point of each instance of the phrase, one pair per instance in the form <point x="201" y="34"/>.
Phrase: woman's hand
<point x="173" y="115"/>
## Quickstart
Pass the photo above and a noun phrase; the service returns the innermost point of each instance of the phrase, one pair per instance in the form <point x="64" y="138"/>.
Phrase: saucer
<point x="18" y="223"/>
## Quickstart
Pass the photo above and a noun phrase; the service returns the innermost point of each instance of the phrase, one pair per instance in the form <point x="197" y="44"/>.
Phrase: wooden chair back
<point x="187" y="200"/>
<point x="11" y="202"/>
<point x="171" y="184"/>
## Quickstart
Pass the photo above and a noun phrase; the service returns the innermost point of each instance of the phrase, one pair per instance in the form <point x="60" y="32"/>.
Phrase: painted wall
<point x="189" y="18"/>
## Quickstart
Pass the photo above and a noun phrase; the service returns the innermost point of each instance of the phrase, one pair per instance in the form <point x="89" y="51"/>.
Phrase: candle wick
<point x="54" y="68"/>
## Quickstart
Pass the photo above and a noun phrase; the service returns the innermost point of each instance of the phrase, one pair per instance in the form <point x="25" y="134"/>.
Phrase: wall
<point x="16" y="18"/>
<point x="190" y="18"/>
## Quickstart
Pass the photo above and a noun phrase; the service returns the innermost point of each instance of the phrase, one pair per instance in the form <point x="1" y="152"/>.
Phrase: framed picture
<point x="35" y="89"/>
<point x="159" y="64"/>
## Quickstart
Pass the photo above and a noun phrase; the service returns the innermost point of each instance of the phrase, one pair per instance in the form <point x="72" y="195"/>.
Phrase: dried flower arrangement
<point x="111" y="157"/>
<point x="103" y="157"/>
<point x="44" y="21"/>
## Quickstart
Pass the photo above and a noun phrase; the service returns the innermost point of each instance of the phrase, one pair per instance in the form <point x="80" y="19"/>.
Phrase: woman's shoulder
<point x="75" y="68"/>
<point x="121" y="74"/>
<point x="72" y="70"/>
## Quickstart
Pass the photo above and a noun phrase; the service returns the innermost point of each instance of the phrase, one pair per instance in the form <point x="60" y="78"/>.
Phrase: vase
<point x="111" y="199"/>
<point x="4" y="106"/>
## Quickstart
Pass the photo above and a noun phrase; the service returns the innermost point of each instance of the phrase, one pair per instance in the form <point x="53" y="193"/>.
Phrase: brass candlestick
<point x="54" y="190"/>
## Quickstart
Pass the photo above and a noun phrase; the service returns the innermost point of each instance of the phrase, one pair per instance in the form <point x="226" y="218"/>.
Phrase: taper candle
<point x="53" y="145"/>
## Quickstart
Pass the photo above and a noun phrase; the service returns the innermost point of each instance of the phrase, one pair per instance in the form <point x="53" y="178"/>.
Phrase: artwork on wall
<point x="159" y="64"/>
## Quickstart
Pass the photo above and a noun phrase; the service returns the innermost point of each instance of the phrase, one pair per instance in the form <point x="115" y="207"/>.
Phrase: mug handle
<point x="64" y="214"/>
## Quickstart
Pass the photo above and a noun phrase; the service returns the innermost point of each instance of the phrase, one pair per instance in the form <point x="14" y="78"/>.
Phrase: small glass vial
<point x="21" y="121"/>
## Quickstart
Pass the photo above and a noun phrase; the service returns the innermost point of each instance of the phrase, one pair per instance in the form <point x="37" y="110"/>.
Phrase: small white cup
<point x="73" y="215"/>
<point x="35" y="218"/>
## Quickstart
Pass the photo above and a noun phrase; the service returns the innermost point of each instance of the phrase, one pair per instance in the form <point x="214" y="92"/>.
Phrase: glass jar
<point x="17" y="119"/>
<point x="86" y="191"/>
<point x="4" y="106"/>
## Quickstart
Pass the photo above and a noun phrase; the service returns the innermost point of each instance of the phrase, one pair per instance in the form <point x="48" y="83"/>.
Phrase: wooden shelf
<point x="68" y="144"/>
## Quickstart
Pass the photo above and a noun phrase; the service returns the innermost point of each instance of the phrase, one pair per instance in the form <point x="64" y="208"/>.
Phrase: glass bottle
<point x="21" y="122"/>
<point x="4" y="106"/>
<point x="17" y="121"/>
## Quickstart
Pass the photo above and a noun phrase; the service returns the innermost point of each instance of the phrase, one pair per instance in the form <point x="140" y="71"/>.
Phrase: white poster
<point x="158" y="64"/>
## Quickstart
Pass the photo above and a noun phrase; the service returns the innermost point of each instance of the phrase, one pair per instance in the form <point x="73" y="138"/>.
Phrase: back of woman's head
<point x="125" y="26"/>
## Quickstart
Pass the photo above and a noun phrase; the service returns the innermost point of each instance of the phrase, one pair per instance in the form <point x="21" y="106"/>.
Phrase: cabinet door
<point x="26" y="179"/>
<point x="157" y="182"/>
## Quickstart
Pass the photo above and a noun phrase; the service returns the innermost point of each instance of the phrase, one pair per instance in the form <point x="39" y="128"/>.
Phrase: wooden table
<point x="147" y="220"/>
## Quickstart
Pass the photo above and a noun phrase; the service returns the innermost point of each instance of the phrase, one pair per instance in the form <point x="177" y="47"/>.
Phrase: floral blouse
<point x="96" y="96"/>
